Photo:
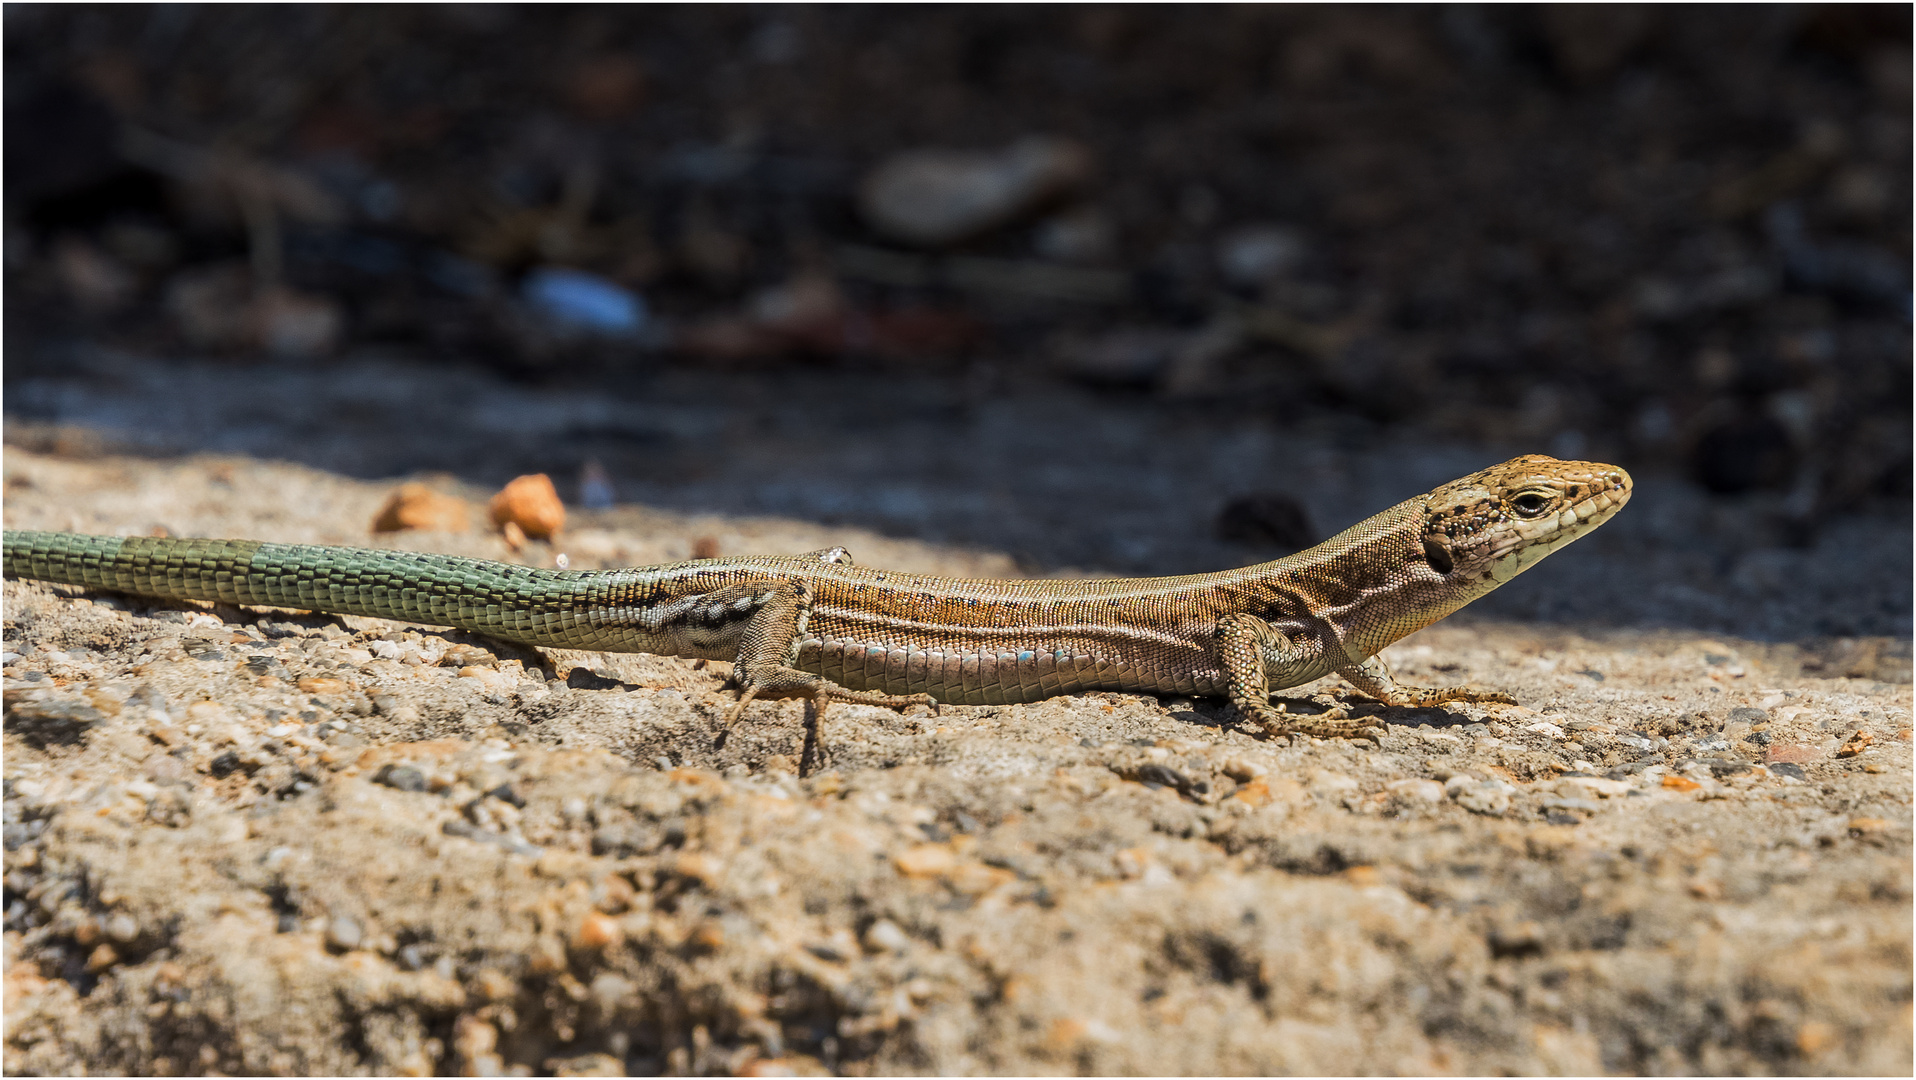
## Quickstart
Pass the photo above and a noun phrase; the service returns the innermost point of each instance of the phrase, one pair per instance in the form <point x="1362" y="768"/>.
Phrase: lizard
<point x="821" y="627"/>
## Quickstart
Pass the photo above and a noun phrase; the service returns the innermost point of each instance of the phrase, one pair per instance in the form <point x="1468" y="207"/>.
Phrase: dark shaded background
<point x="1670" y="237"/>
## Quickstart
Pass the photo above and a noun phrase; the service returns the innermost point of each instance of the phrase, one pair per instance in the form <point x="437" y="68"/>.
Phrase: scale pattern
<point x="514" y="603"/>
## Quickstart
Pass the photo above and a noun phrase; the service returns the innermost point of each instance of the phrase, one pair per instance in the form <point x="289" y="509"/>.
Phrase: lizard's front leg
<point x="768" y="649"/>
<point x="1373" y="678"/>
<point x="1246" y="644"/>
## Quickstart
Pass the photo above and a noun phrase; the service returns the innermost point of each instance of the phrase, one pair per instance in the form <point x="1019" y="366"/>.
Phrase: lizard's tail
<point x="516" y="603"/>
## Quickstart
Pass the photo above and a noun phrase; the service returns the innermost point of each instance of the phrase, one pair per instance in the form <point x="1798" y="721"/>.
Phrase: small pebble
<point x="598" y="931"/>
<point x="1252" y="255"/>
<point x="344" y="933"/>
<point x="1490" y="798"/>
<point x="579" y="302"/>
<point x="937" y="197"/>
<point x="163" y="768"/>
<point x="1243" y="770"/>
<point x="886" y="936"/>
<point x="925" y="860"/>
<point x="1561" y="803"/>
<point x="1327" y="784"/>
<point x="1417" y="790"/>
<point x="1855" y="744"/>
<point x="401" y="778"/>
<point x="1793" y="753"/>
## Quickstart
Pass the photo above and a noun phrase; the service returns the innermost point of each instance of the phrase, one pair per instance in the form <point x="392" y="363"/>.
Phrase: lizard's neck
<point x="1372" y="582"/>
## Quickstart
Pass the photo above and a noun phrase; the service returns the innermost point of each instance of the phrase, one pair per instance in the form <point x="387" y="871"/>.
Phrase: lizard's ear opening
<point x="1437" y="554"/>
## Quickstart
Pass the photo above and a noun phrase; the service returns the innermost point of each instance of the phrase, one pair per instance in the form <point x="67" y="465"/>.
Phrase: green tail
<point x="553" y="608"/>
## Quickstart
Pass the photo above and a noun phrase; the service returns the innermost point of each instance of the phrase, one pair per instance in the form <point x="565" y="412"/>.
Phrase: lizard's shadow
<point x="1407" y="717"/>
<point x="582" y="678"/>
<point x="811" y="754"/>
<point x="1222" y="716"/>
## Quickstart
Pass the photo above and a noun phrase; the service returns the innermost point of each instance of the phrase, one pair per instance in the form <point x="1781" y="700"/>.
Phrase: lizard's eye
<point x="1530" y="504"/>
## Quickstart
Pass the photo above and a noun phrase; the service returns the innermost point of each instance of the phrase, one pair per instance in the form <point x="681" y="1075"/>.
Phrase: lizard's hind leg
<point x="769" y="649"/>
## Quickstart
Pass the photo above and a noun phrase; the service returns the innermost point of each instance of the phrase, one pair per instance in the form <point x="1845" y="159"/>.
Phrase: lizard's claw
<point x="745" y="697"/>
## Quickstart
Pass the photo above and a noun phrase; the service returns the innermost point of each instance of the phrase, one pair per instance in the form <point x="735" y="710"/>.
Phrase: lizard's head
<point x="1491" y="526"/>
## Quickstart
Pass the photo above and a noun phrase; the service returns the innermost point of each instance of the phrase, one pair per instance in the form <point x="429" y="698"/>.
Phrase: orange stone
<point x="1255" y="793"/>
<point x="416" y="506"/>
<point x="320" y="684"/>
<point x="532" y="503"/>
<point x="926" y="860"/>
<point x="1857" y="743"/>
<point x="1363" y="876"/>
<point x="789" y="1065"/>
<point x="1868" y="826"/>
<point x="495" y="985"/>
<point x="699" y="867"/>
<point x="1815" y="1037"/>
<point x="102" y="958"/>
<point x="1680" y="783"/>
<point x="598" y="931"/>
<point x="1065" y="1033"/>
<point x="709" y="934"/>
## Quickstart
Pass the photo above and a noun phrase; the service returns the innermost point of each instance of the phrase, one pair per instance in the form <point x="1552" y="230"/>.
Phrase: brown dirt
<point x="261" y="842"/>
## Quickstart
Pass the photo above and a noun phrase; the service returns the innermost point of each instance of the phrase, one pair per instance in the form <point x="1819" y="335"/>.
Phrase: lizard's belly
<point x="960" y="676"/>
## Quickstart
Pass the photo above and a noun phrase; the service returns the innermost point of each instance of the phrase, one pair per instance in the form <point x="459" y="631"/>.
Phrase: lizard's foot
<point x="779" y="681"/>
<point x="1409" y="697"/>
<point x="1373" y="679"/>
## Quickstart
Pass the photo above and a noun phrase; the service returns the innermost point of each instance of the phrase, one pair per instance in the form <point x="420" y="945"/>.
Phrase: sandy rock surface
<point x="258" y="841"/>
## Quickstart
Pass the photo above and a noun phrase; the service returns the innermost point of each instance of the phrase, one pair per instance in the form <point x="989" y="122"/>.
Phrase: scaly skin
<point x="817" y="626"/>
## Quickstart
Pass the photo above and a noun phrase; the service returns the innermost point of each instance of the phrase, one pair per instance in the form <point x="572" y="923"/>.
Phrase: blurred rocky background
<point x="1671" y="237"/>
